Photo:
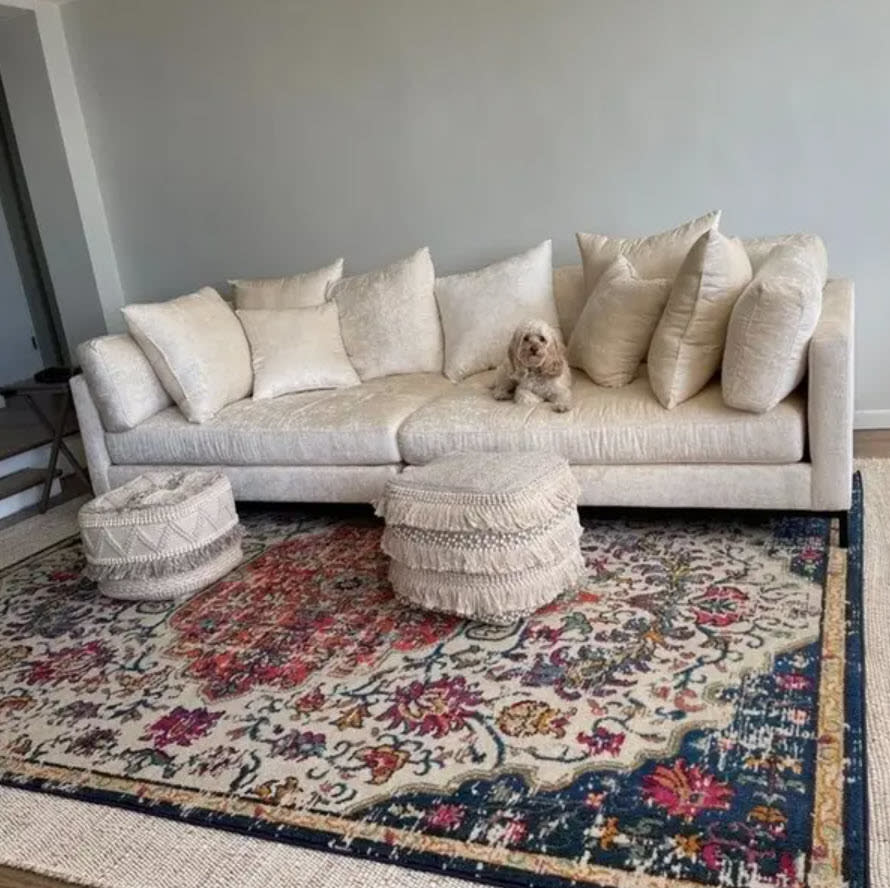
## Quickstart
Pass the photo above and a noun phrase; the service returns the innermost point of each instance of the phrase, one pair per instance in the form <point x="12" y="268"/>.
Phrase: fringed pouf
<point x="489" y="536"/>
<point x="161" y="535"/>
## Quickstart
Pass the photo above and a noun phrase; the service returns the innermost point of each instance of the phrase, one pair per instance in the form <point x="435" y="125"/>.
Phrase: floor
<point x="867" y="443"/>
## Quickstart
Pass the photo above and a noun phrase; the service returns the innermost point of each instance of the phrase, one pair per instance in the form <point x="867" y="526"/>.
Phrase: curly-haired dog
<point x="535" y="369"/>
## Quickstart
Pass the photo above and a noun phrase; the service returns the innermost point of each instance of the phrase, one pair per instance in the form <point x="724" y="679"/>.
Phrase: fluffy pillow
<point x="612" y="335"/>
<point x="688" y="343"/>
<point x="197" y="348"/>
<point x="296" y="350"/>
<point x="481" y="309"/>
<point x="759" y="248"/>
<point x="123" y="384"/>
<point x="656" y="256"/>
<point x="388" y="318"/>
<point x="297" y="291"/>
<point x="771" y="326"/>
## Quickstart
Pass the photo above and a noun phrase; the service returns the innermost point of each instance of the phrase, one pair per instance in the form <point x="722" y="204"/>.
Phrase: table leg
<point x="58" y="432"/>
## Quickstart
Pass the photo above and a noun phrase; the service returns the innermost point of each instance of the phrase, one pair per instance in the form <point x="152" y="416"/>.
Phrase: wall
<point x="35" y="123"/>
<point x="267" y="137"/>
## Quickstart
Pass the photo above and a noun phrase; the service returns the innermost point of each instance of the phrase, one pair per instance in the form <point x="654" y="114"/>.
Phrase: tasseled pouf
<point x="489" y="536"/>
<point x="161" y="535"/>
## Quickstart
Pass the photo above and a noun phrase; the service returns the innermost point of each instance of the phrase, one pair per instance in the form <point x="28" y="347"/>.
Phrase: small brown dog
<point x="535" y="369"/>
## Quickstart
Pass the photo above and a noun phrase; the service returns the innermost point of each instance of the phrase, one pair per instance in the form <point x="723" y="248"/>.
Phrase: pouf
<point x="161" y="535"/>
<point x="489" y="536"/>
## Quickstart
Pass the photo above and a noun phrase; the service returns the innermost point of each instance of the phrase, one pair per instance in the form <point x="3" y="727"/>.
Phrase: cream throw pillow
<point x="771" y="325"/>
<point x="296" y="350"/>
<point x="688" y="343"/>
<point x="612" y="334"/>
<point x="198" y="349"/>
<point x="389" y="320"/>
<point x="481" y="309"/>
<point x="656" y="256"/>
<point x="296" y="291"/>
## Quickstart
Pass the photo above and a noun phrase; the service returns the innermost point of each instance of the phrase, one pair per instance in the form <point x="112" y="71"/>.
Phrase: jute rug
<point x="665" y="718"/>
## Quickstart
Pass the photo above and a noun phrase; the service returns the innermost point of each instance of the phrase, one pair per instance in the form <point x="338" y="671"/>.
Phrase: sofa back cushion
<point x="688" y="343"/>
<point x="124" y="387"/>
<point x="771" y="325"/>
<point x="570" y="296"/>
<point x="388" y="318"/>
<point x="656" y="256"/>
<point x="296" y="291"/>
<point x="198" y="349"/>
<point x="481" y="309"/>
<point x="759" y="248"/>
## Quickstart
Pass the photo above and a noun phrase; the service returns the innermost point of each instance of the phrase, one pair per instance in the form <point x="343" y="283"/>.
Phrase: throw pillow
<point x="688" y="343"/>
<point x="123" y="383"/>
<point x="771" y="326"/>
<point x="296" y="349"/>
<point x="759" y="248"/>
<point x="388" y="318"/>
<point x="297" y="291"/>
<point x="198" y="349"/>
<point x="612" y="334"/>
<point x="656" y="256"/>
<point x="481" y="309"/>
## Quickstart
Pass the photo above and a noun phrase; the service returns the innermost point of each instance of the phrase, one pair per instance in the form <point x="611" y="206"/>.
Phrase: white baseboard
<point x="871" y="419"/>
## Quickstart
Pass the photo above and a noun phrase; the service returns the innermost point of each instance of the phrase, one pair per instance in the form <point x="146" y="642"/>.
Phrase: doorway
<point x="29" y="335"/>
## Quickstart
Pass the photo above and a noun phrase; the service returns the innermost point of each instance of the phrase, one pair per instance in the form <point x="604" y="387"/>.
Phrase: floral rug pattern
<point x="664" y="720"/>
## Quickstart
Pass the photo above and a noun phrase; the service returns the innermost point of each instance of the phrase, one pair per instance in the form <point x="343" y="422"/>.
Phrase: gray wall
<point x="36" y="127"/>
<point x="260" y="137"/>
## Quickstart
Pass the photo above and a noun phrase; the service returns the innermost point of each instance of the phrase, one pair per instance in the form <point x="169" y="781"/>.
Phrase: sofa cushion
<point x="481" y="309"/>
<point x="389" y="320"/>
<point x="198" y="349"/>
<point x="121" y="380"/>
<point x="350" y="426"/>
<point x="657" y="256"/>
<point x="296" y="350"/>
<point x="771" y="325"/>
<point x="295" y="291"/>
<point x="607" y="426"/>
<point x="570" y="296"/>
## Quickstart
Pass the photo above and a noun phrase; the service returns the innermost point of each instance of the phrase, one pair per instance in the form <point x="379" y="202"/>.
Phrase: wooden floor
<point x="866" y="443"/>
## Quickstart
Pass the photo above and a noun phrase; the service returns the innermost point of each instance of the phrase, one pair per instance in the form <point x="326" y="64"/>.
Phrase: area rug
<point x="680" y="720"/>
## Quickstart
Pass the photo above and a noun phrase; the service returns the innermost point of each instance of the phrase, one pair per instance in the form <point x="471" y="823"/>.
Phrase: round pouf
<point x="489" y="536"/>
<point x="161" y="535"/>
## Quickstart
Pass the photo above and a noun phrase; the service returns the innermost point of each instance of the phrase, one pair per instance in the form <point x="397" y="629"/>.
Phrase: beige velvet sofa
<point x="626" y="450"/>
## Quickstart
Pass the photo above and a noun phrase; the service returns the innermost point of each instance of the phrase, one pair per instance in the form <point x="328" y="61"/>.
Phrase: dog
<point x="535" y="369"/>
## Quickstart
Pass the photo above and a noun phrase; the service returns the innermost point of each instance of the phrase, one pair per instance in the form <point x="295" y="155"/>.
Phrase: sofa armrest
<point x="830" y="399"/>
<point x="92" y="434"/>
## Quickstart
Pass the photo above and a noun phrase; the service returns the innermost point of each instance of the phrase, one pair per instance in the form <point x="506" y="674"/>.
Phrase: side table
<point x="27" y="389"/>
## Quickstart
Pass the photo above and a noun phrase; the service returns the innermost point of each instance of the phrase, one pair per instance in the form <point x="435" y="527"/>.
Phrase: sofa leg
<point x="843" y="520"/>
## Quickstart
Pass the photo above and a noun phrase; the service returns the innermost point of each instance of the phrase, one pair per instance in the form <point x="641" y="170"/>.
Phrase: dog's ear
<point x="556" y="356"/>
<point x="513" y="348"/>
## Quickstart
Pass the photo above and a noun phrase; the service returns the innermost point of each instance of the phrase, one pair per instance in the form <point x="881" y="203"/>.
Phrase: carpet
<point x="678" y="717"/>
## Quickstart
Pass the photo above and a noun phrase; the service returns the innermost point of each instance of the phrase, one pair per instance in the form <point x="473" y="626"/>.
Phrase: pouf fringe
<point x="489" y="599"/>
<point x="168" y="564"/>
<point x="501" y="556"/>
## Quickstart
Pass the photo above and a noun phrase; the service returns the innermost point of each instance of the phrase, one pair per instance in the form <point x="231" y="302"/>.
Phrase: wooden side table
<point x="27" y="389"/>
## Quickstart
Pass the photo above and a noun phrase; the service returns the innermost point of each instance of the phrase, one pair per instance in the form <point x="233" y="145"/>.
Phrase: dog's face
<point x="536" y="346"/>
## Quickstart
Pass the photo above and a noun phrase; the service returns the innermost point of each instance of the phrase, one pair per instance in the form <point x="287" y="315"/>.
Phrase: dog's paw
<point x="561" y="407"/>
<point x="524" y="396"/>
<point x="500" y="394"/>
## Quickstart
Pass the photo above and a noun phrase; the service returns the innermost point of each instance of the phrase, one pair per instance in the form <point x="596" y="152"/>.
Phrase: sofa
<point x="343" y="444"/>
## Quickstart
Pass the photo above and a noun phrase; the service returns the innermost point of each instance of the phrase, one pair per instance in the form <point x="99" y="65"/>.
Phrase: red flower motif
<point x="721" y="606"/>
<point x="181" y="726"/>
<point x="602" y="740"/>
<point x="793" y="681"/>
<point x="435" y="707"/>
<point x="69" y="664"/>
<point x="383" y="761"/>
<point x="447" y="817"/>
<point x="506" y="831"/>
<point x="685" y="790"/>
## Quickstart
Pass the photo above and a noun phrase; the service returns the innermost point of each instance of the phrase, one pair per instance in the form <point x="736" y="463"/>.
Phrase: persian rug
<point x="692" y="715"/>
